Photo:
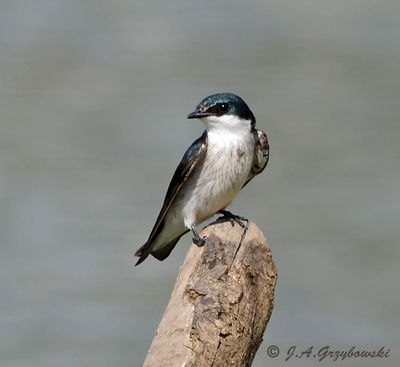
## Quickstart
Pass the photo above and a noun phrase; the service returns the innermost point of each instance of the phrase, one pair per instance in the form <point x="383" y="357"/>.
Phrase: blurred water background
<point x="93" y="100"/>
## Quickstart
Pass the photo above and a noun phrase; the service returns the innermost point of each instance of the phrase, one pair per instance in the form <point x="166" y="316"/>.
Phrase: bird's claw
<point x="233" y="218"/>
<point x="199" y="242"/>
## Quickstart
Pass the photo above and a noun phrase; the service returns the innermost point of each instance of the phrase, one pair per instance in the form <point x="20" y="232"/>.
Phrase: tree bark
<point x="221" y="302"/>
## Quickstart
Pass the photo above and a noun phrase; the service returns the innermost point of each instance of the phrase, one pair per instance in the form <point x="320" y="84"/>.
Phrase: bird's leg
<point x="227" y="215"/>
<point x="197" y="240"/>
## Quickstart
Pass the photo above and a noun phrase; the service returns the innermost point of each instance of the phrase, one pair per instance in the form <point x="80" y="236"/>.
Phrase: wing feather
<point x="193" y="156"/>
<point x="261" y="154"/>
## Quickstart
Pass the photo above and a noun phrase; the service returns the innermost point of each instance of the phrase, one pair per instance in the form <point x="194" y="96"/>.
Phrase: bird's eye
<point x="222" y="108"/>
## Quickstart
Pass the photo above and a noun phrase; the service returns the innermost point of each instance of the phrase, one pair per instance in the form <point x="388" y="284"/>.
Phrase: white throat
<point x="227" y="124"/>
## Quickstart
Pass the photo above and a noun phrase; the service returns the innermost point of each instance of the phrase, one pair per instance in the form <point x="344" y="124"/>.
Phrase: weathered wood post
<point x="221" y="303"/>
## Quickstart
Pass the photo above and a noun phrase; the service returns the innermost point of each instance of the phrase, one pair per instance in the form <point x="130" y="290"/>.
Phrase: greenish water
<point x="93" y="100"/>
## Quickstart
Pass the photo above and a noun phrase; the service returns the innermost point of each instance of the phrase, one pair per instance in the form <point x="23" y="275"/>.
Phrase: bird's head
<point x="224" y="111"/>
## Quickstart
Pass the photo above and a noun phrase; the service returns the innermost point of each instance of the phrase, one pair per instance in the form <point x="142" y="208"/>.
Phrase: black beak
<point x="198" y="115"/>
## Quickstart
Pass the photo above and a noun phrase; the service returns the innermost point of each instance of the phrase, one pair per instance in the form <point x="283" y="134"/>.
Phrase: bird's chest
<point x="225" y="169"/>
<point x="226" y="164"/>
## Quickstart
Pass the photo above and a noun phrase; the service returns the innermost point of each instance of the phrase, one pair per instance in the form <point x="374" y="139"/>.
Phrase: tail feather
<point x="142" y="254"/>
<point x="160" y="254"/>
<point x="163" y="252"/>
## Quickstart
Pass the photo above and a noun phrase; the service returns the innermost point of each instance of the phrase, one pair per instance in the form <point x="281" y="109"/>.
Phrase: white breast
<point x="224" y="171"/>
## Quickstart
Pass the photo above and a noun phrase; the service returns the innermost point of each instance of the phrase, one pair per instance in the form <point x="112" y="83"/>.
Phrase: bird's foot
<point x="233" y="218"/>
<point x="200" y="241"/>
<point x="197" y="240"/>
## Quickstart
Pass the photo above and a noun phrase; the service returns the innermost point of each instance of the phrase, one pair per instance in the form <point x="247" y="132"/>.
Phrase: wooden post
<point x="221" y="303"/>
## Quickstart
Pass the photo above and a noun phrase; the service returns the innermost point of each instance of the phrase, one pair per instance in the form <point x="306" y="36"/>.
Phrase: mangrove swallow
<point x="213" y="170"/>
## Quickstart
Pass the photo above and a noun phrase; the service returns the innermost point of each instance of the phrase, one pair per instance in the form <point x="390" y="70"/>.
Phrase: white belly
<point x="212" y="186"/>
<point x="222" y="175"/>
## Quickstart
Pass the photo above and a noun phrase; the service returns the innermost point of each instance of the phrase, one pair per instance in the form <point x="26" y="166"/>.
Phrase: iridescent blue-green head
<point x="224" y="111"/>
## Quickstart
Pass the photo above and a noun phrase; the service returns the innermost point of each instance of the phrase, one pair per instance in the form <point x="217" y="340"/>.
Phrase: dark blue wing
<point x="193" y="156"/>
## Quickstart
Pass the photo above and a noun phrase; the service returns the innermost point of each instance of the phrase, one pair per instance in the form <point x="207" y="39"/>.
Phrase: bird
<point x="229" y="154"/>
